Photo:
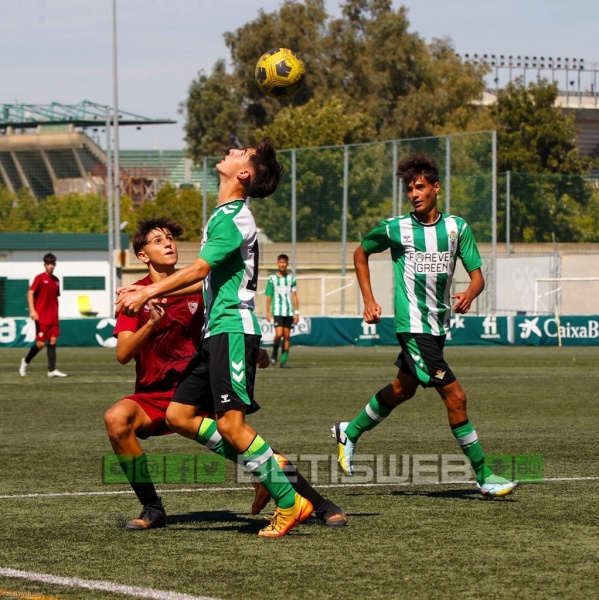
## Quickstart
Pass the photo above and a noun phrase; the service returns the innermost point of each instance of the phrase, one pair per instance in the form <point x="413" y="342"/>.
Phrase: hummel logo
<point x="237" y="372"/>
<point x="224" y="398"/>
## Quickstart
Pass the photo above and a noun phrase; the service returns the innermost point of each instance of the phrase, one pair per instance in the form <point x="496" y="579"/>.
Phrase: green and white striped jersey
<point x="424" y="259"/>
<point x="280" y="289"/>
<point x="230" y="247"/>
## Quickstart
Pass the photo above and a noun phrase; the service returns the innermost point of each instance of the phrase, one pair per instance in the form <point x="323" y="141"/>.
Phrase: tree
<point x="550" y="199"/>
<point x="183" y="205"/>
<point x="318" y="123"/>
<point x="73" y="213"/>
<point x="381" y="73"/>
<point x="535" y="135"/>
<point x="214" y="119"/>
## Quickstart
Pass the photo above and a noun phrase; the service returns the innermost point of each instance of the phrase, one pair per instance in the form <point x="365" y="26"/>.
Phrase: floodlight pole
<point x="116" y="172"/>
<point x="109" y="198"/>
<point x="344" y="221"/>
<point x="294" y="211"/>
<point x="494" y="220"/>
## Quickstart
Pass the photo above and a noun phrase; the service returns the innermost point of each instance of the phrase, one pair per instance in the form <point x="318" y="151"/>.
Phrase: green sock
<point x="260" y="460"/>
<point x="467" y="439"/>
<point x="374" y="412"/>
<point x="209" y="437"/>
<point x="284" y="356"/>
<point x="275" y="351"/>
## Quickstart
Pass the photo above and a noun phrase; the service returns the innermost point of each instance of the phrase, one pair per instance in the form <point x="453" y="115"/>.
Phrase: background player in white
<point x="425" y="246"/>
<point x="282" y="307"/>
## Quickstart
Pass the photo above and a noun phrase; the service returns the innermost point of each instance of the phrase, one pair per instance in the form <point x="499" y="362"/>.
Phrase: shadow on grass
<point x="221" y="520"/>
<point x="226" y="520"/>
<point x="460" y="494"/>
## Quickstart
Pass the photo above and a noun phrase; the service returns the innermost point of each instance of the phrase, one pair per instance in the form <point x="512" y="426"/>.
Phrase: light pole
<point x="115" y="153"/>
<point x="109" y="197"/>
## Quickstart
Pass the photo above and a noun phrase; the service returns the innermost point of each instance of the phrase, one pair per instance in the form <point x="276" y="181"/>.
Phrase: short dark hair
<point x="283" y="257"/>
<point x="49" y="259"/>
<point x="418" y="164"/>
<point x="145" y="226"/>
<point x="268" y="170"/>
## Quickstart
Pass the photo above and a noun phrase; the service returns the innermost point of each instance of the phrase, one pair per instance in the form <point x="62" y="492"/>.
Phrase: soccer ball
<point x="279" y="73"/>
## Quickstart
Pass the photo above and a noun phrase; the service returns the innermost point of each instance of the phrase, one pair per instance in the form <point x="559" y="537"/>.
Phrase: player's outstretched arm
<point x="131" y="302"/>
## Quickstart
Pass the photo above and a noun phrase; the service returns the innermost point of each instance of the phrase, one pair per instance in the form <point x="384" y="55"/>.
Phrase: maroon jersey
<point x="172" y="343"/>
<point x="46" y="289"/>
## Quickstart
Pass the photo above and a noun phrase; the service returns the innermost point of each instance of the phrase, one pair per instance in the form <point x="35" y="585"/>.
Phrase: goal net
<point x="566" y="296"/>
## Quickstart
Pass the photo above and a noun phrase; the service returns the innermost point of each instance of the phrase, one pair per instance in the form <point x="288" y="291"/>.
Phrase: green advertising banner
<point x="18" y="333"/>
<point x="557" y="330"/>
<point x="349" y="331"/>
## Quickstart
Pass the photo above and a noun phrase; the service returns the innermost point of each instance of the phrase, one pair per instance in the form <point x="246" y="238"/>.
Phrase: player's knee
<point x="459" y="400"/>
<point x="456" y="402"/>
<point x="118" y="424"/>
<point x="176" y="419"/>
<point x="224" y="427"/>
<point x="228" y="425"/>
<point x="402" y="392"/>
<point x="172" y="421"/>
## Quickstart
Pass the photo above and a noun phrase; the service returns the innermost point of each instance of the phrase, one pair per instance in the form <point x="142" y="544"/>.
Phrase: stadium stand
<point x="47" y="150"/>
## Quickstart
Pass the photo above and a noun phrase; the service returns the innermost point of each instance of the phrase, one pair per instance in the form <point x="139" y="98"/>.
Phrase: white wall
<point x="24" y="264"/>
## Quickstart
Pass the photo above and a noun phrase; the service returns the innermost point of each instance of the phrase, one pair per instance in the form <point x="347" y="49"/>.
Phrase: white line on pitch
<point x="102" y="586"/>
<point x="246" y="488"/>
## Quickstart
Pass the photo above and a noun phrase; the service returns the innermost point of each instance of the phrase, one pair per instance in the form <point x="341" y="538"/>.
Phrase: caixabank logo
<point x="566" y="328"/>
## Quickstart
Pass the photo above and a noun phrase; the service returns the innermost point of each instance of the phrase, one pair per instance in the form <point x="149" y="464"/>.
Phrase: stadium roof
<point x="84" y="114"/>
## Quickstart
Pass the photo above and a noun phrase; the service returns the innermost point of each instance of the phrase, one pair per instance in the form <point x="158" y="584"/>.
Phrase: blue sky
<point x="61" y="50"/>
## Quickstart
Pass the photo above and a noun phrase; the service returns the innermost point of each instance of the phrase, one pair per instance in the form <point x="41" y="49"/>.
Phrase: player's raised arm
<point x="131" y="302"/>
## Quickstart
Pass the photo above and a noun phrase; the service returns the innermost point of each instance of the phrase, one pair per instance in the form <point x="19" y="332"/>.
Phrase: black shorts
<point x="285" y="322"/>
<point x="421" y="357"/>
<point x="221" y="375"/>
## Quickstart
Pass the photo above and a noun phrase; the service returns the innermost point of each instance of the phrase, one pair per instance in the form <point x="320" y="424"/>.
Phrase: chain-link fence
<point x="328" y="198"/>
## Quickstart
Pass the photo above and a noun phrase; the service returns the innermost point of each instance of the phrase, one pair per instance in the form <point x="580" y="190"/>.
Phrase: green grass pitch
<point x="408" y="540"/>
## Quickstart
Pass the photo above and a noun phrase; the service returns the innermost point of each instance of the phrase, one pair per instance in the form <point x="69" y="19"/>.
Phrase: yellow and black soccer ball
<point x="280" y="73"/>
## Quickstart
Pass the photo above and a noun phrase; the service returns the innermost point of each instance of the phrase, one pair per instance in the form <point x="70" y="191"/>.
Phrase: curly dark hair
<point x="145" y="226"/>
<point x="418" y="164"/>
<point x="267" y="169"/>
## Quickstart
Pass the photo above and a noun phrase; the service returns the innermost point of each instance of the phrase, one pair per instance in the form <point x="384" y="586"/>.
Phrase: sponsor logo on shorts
<point x="237" y="371"/>
<point x="224" y="398"/>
